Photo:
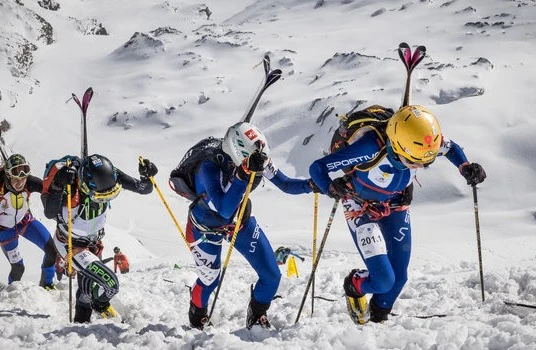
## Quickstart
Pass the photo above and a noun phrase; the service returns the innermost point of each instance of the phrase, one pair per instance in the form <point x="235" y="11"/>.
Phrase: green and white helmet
<point x="17" y="167"/>
<point x="242" y="139"/>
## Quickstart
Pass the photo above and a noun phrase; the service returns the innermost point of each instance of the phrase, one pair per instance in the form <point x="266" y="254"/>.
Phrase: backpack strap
<point x="372" y="163"/>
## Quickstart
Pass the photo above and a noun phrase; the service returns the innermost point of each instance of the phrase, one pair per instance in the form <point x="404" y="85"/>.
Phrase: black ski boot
<point x="198" y="316"/>
<point x="82" y="313"/>
<point x="82" y="309"/>
<point x="378" y="314"/>
<point x="257" y="314"/>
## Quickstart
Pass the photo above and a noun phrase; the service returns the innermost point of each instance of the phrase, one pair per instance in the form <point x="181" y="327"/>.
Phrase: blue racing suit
<point x="211" y="219"/>
<point x="377" y="216"/>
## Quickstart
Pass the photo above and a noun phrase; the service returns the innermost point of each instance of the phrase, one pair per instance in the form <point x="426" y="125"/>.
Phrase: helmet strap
<point x="393" y="156"/>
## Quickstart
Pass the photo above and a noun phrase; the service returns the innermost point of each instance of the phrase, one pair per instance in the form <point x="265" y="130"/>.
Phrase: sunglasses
<point x="101" y="196"/>
<point x="19" y="172"/>
<point x="426" y="165"/>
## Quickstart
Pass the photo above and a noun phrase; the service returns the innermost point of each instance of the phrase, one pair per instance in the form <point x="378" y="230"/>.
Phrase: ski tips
<point x="270" y="77"/>
<point x="409" y="59"/>
<point x="266" y="63"/>
<point x="88" y="94"/>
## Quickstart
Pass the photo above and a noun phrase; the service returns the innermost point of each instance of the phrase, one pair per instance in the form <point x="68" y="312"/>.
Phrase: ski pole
<point x="477" y="224"/>
<point x="235" y="234"/>
<point x="315" y="225"/>
<point x="166" y="205"/>
<point x="315" y="265"/>
<point x="511" y="303"/>
<point x="70" y="247"/>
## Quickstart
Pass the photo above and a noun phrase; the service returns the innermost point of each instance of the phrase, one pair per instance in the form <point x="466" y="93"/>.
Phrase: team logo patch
<point x="97" y="162"/>
<point x="17" y="201"/>
<point x="251" y="134"/>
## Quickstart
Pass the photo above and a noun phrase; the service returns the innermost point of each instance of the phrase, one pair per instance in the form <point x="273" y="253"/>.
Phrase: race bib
<point x="205" y="262"/>
<point x="84" y="258"/>
<point x="14" y="256"/>
<point x="370" y="240"/>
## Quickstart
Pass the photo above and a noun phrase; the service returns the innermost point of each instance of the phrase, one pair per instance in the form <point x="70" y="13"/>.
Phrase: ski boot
<point x="50" y="286"/>
<point x="378" y="314"/>
<point x="257" y="314"/>
<point x="356" y="302"/>
<point x="82" y="313"/>
<point x="198" y="316"/>
<point x="104" y="308"/>
<point x="109" y="312"/>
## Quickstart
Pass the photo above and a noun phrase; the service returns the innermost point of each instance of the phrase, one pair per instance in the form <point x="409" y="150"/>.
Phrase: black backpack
<point x="354" y="125"/>
<point x="182" y="177"/>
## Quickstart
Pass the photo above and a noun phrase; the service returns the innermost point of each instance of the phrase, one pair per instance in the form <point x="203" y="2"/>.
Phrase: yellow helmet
<point x="414" y="134"/>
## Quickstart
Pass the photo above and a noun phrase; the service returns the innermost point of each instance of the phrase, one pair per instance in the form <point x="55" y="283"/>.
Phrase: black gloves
<point x="255" y="162"/>
<point x="65" y="176"/>
<point x="340" y="188"/>
<point x="147" y="169"/>
<point x="473" y="173"/>
<point x="407" y="196"/>
<point x="314" y="187"/>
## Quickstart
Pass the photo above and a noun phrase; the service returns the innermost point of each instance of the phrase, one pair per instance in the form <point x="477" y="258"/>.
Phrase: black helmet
<point x="117" y="250"/>
<point x="17" y="167"/>
<point x="98" y="179"/>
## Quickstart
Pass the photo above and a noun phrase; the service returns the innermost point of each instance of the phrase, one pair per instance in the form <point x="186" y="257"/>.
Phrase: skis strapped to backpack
<point x="182" y="177"/>
<point x="374" y="118"/>
<point x="83" y="125"/>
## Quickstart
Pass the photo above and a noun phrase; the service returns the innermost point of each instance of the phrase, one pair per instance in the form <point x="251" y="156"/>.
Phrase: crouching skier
<point x="214" y="174"/>
<point x="95" y="183"/>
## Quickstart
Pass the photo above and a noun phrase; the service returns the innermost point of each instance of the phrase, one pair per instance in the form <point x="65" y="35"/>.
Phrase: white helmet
<point x="242" y="139"/>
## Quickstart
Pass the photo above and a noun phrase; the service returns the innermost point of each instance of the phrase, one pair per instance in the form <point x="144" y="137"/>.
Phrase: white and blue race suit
<point x="377" y="219"/>
<point x="210" y="220"/>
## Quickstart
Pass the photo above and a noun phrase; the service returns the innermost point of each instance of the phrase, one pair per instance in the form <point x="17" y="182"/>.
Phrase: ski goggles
<point x="19" y="172"/>
<point x="411" y="162"/>
<point x="398" y="157"/>
<point x="101" y="196"/>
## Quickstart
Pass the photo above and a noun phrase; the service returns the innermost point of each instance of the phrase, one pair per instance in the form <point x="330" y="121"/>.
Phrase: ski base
<point x="358" y="309"/>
